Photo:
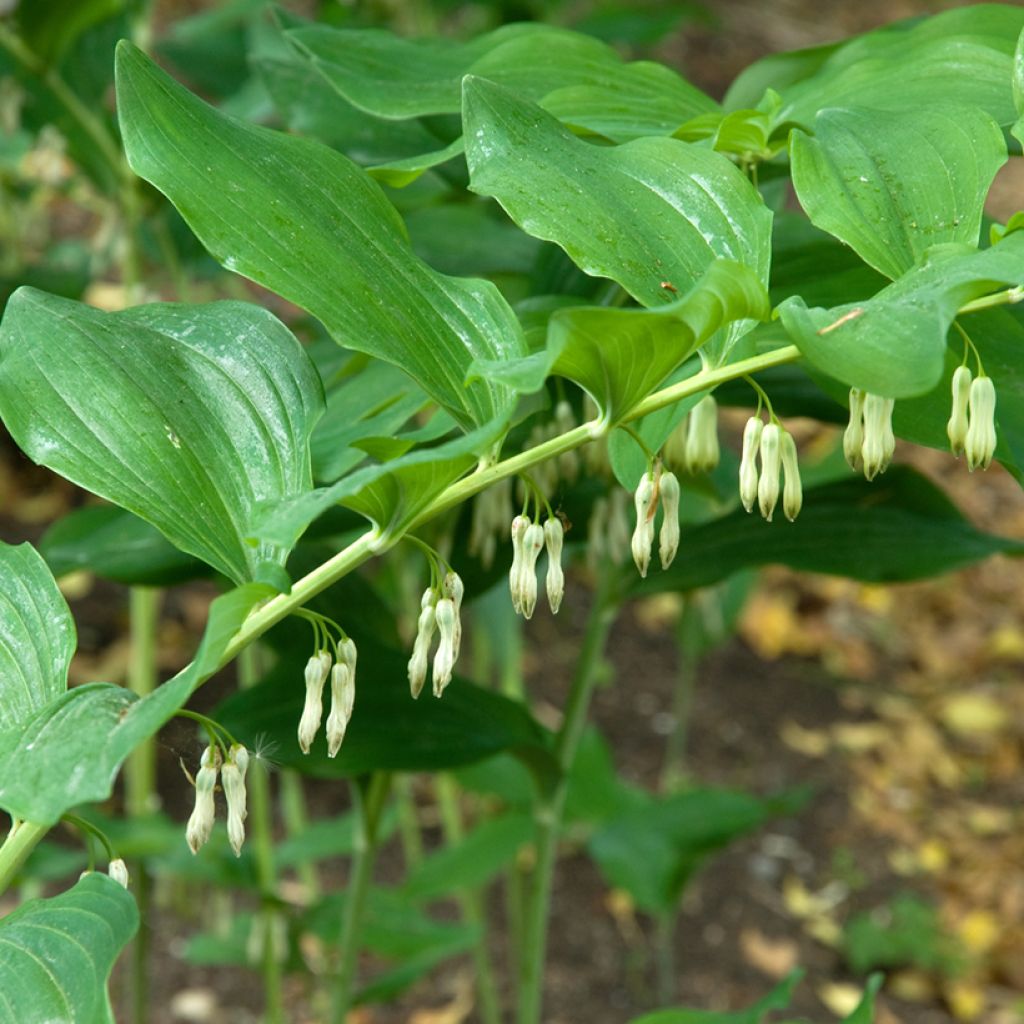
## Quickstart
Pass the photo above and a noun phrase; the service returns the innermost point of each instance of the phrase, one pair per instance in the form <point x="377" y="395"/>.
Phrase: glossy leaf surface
<point x="305" y="221"/>
<point x="188" y="416"/>
<point x="891" y="186"/>
<point x="650" y="214"/>
<point x="56" y="954"/>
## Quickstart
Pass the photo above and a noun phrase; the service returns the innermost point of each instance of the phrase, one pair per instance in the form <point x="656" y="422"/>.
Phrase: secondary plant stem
<point x="550" y="810"/>
<point x="20" y="842"/>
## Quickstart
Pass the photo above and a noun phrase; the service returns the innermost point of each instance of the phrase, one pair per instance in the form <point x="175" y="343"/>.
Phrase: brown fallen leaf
<point x="775" y="957"/>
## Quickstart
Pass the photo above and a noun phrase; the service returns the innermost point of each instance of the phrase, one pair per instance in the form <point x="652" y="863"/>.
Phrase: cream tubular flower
<point x="232" y="777"/>
<point x="555" y="581"/>
<point x="200" y="823"/>
<point x="853" y="438"/>
<point x="316" y="675"/>
<point x="771" y="464"/>
<point x="702" y="451"/>
<point x="645" y="502"/>
<point x="425" y="626"/>
<point x="792" y="491"/>
<point x="956" y="428"/>
<point x="748" y="462"/>
<point x="668" y="539"/>
<point x="980" y="444"/>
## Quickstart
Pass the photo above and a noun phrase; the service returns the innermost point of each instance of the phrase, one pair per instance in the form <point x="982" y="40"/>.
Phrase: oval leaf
<point x="57" y="954"/>
<point x="305" y="221"/>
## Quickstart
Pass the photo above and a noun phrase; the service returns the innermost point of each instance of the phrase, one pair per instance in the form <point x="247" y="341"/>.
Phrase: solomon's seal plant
<point x="537" y="277"/>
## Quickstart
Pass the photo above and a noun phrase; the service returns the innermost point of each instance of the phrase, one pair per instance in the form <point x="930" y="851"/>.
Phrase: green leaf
<point x="894" y="343"/>
<point x="1017" y="130"/>
<point x="389" y="731"/>
<point x="960" y="56"/>
<point x="37" y="635"/>
<point x="188" y="416"/>
<point x="778" y="999"/>
<point x="57" y="954"/>
<point x="118" y="546"/>
<point x="580" y="80"/>
<point x="650" y="214"/>
<point x="891" y="185"/>
<point x="68" y="751"/>
<point x="898" y="527"/>
<point x="471" y="862"/>
<point x="305" y="221"/>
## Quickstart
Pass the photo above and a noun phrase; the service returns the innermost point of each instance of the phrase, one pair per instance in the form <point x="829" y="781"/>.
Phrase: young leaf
<point x="56" y="954"/>
<point x="778" y="999"/>
<point x="68" y="751"/>
<point x="305" y="221"/>
<point x="188" y="416"/>
<point x="891" y="185"/>
<point x="37" y="635"/>
<point x="893" y="343"/>
<point x="652" y="214"/>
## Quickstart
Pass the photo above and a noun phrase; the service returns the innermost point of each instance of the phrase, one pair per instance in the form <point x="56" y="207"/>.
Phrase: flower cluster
<point x="608" y="532"/>
<point x="972" y="427"/>
<point x="656" y="487"/>
<point x="440" y="611"/>
<point x="343" y="695"/>
<point x="693" y="445"/>
<point x="232" y="771"/>
<point x="777" y="451"/>
<point x="869" y="442"/>
<point x="528" y="540"/>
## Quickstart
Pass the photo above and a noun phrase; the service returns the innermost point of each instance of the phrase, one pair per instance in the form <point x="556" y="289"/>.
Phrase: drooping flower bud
<point x="519" y="527"/>
<point x="668" y="539"/>
<point x="444" y="658"/>
<point x="956" y="428"/>
<point x="645" y="502"/>
<point x="454" y="589"/>
<point x="421" y="647"/>
<point x="702" y="437"/>
<point x="748" y="462"/>
<point x="343" y="695"/>
<point x="771" y="464"/>
<point x="118" y="871"/>
<point x="200" y="823"/>
<point x="792" y="491"/>
<point x="312" y="711"/>
<point x="879" y="440"/>
<point x="533" y="545"/>
<point x="980" y="444"/>
<point x="554" y="534"/>
<point x="853" y="438"/>
<point x="673" y="451"/>
<point x="232" y="777"/>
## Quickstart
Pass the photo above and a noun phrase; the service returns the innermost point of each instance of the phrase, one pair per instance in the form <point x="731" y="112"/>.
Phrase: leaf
<point x="1017" y="129"/>
<point x="118" y="546"/>
<point x="188" y="416"/>
<point x="648" y="214"/>
<point x="890" y="185"/>
<point x="778" y="999"/>
<point x="472" y="861"/>
<point x="56" y="954"/>
<point x="580" y="80"/>
<point x="894" y="343"/>
<point x="306" y="222"/>
<point x="960" y="56"/>
<point x="390" y="494"/>
<point x="898" y="527"/>
<point x="68" y="751"/>
<point x="389" y="731"/>
<point x="37" y="635"/>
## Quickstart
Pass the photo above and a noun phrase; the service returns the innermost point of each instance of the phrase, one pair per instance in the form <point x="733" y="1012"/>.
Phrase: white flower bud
<point x="555" y="582"/>
<point x="748" y="462"/>
<point x="668" y="539"/>
<point x="792" y="492"/>
<point x="454" y="589"/>
<point x="771" y="464"/>
<point x="956" y="428"/>
<point x="702" y="437"/>
<point x="316" y="675"/>
<point x="118" y="871"/>
<point x="421" y="648"/>
<point x="673" y="451"/>
<point x="980" y="444"/>
<point x="200" y="823"/>
<point x="853" y="438"/>
<point x="533" y="545"/>
<point x="444" y="658"/>
<point x="232" y="777"/>
<point x="618" y="525"/>
<point x="343" y="696"/>
<point x="519" y="527"/>
<point x="879" y="441"/>
<point x="644" y="500"/>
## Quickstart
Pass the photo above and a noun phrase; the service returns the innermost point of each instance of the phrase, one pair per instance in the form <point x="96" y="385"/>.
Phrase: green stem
<point x="369" y="805"/>
<point x="664" y="956"/>
<point x="1008" y="297"/>
<point x="140" y="778"/>
<point x="20" y="842"/>
<point x="293" y="810"/>
<point x="408" y="823"/>
<point x="471" y="904"/>
<point x="673" y="770"/>
<point x="262" y="835"/>
<point x="550" y="810"/>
